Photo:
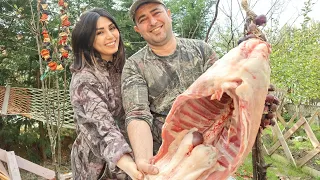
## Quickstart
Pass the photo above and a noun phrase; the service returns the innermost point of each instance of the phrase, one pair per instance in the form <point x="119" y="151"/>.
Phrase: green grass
<point x="278" y="169"/>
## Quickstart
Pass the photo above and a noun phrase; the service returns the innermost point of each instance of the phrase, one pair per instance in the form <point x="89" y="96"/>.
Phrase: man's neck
<point x="166" y="49"/>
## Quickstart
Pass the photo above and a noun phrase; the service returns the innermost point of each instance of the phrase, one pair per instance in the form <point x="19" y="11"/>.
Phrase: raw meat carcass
<point x="212" y="126"/>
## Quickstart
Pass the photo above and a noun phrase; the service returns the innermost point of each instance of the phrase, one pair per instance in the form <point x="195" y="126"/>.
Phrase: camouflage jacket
<point x="151" y="83"/>
<point x="96" y="100"/>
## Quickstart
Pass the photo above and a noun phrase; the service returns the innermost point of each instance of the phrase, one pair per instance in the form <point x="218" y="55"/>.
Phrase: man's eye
<point x="142" y="20"/>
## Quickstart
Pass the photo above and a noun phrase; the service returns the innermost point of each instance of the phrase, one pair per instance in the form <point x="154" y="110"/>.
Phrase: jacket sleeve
<point x="210" y="56"/>
<point x="94" y="120"/>
<point x="135" y="94"/>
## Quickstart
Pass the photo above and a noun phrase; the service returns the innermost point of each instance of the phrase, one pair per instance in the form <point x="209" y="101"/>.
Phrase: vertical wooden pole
<point x="5" y="103"/>
<point x="258" y="163"/>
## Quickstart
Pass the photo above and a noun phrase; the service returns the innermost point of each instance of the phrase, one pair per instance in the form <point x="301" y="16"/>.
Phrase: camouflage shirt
<point x="96" y="100"/>
<point x="151" y="83"/>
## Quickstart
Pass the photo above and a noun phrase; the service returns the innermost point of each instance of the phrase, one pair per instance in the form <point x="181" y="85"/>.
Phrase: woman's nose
<point x="109" y="35"/>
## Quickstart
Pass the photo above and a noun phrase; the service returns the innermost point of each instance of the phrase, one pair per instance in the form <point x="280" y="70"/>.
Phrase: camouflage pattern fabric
<point x="151" y="83"/>
<point x="96" y="100"/>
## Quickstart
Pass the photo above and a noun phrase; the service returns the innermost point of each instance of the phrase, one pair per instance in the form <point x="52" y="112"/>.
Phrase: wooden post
<point x="5" y="103"/>
<point x="13" y="166"/>
<point x="258" y="163"/>
<point x="284" y="144"/>
<point x="27" y="165"/>
<point x="3" y="172"/>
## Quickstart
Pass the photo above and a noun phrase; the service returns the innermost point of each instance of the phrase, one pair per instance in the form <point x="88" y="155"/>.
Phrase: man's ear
<point x="169" y="13"/>
<point x="136" y="29"/>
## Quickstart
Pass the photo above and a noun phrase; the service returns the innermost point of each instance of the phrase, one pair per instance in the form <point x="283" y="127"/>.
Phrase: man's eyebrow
<point x="155" y="9"/>
<point x="141" y="17"/>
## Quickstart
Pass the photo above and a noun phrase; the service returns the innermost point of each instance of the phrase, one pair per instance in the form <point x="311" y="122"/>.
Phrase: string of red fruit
<point x="64" y="48"/>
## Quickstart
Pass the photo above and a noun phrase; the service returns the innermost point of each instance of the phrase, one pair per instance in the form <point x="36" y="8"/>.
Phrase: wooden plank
<point x="284" y="144"/>
<point x="286" y="135"/>
<point x="265" y="150"/>
<point x="314" y="116"/>
<point x="309" y="156"/>
<point x="3" y="170"/>
<point x="66" y="176"/>
<point x="292" y="119"/>
<point x="31" y="167"/>
<point x="3" y="177"/>
<point x="281" y="119"/>
<point x="5" y="103"/>
<point x="312" y="137"/>
<point x="13" y="167"/>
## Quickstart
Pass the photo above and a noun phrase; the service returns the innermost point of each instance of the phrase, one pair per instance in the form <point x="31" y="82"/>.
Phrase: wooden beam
<point x="312" y="137"/>
<point x="286" y="135"/>
<point x="284" y="144"/>
<point x="66" y="176"/>
<point x="5" y="103"/>
<point x="30" y="166"/>
<point x="3" y="177"/>
<point x="3" y="172"/>
<point x="292" y="119"/>
<point x="314" y="116"/>
<point x="309" y="156"/>
<point x="281" y="119"/>
<point x="13" y="167"/>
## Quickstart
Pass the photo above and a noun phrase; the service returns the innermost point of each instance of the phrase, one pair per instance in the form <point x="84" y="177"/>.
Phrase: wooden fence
<point x="290" y="127"/>
<point x="14" y="163"/>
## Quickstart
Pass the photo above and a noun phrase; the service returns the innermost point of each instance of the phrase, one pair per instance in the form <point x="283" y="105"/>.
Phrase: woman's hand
<point x="127" y="164"/>
<point x="146" y="167"/>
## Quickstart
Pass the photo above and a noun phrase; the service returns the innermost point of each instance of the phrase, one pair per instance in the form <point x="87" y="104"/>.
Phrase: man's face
<point x="154" y="23"/>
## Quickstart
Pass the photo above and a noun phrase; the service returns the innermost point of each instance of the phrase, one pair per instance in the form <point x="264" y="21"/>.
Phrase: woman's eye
<point x="113" y="28"/>
<point x="98" y="33"/>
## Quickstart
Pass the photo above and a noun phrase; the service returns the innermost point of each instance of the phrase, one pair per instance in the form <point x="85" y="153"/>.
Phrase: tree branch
<point x="213" y="21"/>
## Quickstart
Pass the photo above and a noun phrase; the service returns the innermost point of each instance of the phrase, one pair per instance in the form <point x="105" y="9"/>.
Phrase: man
<point x="154" y="76"/>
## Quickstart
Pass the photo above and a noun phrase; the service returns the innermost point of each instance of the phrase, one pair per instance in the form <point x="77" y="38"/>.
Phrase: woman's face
<point x="106" y="41"/>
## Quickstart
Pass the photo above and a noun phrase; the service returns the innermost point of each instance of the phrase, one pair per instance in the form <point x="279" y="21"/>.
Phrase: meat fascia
<point x="212" y="126"/>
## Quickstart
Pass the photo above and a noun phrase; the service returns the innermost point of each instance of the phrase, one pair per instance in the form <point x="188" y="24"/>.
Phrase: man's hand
<point x="270" y="108"/>
<point x="146" y="167"/>
<point x="141" y="141"/>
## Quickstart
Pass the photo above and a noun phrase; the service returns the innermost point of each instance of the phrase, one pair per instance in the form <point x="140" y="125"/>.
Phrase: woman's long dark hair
<point x="83" y="36"/>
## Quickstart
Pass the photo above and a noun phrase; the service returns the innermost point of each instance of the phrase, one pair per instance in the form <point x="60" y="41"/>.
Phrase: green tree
<point x="295" y="60"/>
<point x="191" y="18"/>
<point x="295" y="63"/>
<point x="17" y="46"/>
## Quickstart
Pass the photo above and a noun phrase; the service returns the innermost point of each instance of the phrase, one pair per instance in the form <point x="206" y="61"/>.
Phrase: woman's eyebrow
<point x="101" y="28"/>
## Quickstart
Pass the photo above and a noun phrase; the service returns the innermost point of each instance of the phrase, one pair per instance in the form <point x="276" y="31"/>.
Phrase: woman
<point x="100" y="151"/>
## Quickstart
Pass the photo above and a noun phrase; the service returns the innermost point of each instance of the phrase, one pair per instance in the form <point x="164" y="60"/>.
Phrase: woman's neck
<point x="107" y="58"/>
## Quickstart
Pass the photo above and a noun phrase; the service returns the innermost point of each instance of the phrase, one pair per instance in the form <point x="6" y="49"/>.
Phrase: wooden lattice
<point x="34" y="103"/>
<point x="19" y="101"/>
<point x="288" y="131"/>
<point x="2" y="92"/>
